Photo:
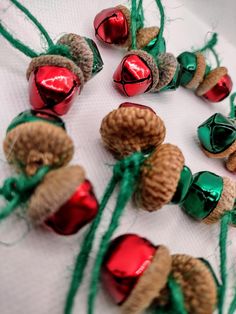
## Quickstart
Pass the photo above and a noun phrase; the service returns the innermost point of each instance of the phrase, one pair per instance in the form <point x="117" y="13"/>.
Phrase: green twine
<point x="232" y="114"/>
<point x="157" y="47"/>
<point x="228" y="218"/>
<point x="140" y="17"/>
<point x="18" y="190"/>
<point x="133" y="24"/>
<point x="127" y="172"/>
<point x="176" y="303"/>
<point x="210" y="46"/>
<point x="52" y="49"/>
<point x="136" y="15"/>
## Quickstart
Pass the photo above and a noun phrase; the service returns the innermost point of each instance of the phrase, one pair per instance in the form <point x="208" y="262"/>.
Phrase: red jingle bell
<point x="126" y="259"/>
<point x="221" y="90"/>
<point x="111" y="26"/>
<point x="133" y="76"/>
<point x="131" y="104"/>
<point x="79" y="210"/>
<point x="53" y="89"/>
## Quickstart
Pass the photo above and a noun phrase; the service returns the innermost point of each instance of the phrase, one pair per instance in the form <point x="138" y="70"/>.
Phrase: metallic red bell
<point x="111" y="26"/>
<point x="79" y="210"/>
<point x="131" y="104"/>
<point x="53" y="89"/>
<point x="221" y="90"/>
<point x="133" y="76"/>
<point x="126" y="259"/>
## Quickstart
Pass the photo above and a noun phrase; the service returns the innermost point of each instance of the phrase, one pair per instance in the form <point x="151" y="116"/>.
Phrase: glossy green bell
<point x="152" y="43"/>
<point x="97" y="59"/>
<point x="32" y="116"/>
<point x="174" y="84"/>
<point x="203" y="195"/>
<point x="184" y="184"/>
<point x="188" y="61"/>
<point x="217" y="133"/>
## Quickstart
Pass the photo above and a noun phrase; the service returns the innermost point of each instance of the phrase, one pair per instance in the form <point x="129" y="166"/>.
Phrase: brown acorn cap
<point x="231" y="162"/>
<point x="167" y="64"/>
<point x="231" y="149"/>
<point x="130" y="129"/>
<point x="149" y="285"/>
<point x="211" y="80"/>
<point x="32" y="145"/>
<point x="145" y="35"/>
<point x="197" y="284"/>
<point x="55" y="60"/>
<point x="225" y="203"/>
<point x="81" y="53"/>
<point x="159" y="178"/>
<point x="126" y="13"/>
<point x="200" y="72"/>
<point x="149" y="60"/>
<point x="54" y="191"/>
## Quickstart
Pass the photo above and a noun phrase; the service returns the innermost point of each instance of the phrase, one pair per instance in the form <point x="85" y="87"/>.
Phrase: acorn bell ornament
<point x="213" y="85"/>
<point x="62" y="199"/>
<point x="57" y="75"/>
<point x="154" y="174"/>
<point x="113" y="27"/>
<point x="146" y="67"/>
<point x="217" y="136"/>
<point x="140" y="275"/>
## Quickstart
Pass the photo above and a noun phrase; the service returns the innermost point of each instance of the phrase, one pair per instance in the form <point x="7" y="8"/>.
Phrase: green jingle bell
<point x="184" y="184"/>
<point x="203" y="195"/>
<point x="217" y="133"/>
<point x="97" y="59"/>
<point x="32" y="116"/>
<point x="188" y="61"/>
<point x="175" y="82"/>
<point x="152" y="44"/>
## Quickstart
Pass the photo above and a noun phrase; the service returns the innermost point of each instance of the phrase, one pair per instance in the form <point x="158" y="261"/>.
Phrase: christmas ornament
<point x="65" y="206"/>
<point x="61" y="199"/>
<point x="156" y="175"/>
<point x="112" y="26"/>
<point x="212" y="84"/>
<point x="217" y="136"/>
<point x="59" y="74"/>
<point x="138" y="274"/>
<point x="138" y="71"/>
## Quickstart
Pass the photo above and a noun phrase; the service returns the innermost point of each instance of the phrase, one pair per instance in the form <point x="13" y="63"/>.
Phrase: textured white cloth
<point x="35" y="273"/>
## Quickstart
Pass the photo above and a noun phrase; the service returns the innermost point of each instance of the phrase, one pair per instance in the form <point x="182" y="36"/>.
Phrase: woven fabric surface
<point x="35" y="272"/>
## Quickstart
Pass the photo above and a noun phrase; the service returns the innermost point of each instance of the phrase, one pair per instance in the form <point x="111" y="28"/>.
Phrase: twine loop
<point x="18" y="190"/>
<point x="59" y="49"/>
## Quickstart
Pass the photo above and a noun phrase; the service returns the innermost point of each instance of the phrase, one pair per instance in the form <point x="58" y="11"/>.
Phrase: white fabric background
<point x="35" y="273"/>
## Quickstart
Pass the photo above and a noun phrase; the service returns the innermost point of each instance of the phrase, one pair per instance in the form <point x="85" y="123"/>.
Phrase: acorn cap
<point x="81" y="53"/>
<point x="231" y="149"/>
<point x="55" y="60"/>
<point x="231" y="162"/>
<point x="54" y="191"/>
<point x="151" y="63"/>
<point x="130" y="129"/>
<point x="200" y="72"/>
<point x="159" y="178"/>
<point x="32" y="145"/>
<point x="149" y="285"/>
<point x="145" y="35"/>
<point x="226" y="201"/>
<point x="197" y="284"/>
<point x="167" y="65"/>
<point x="126" y="13"/>
<point x="211" y="80"/>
